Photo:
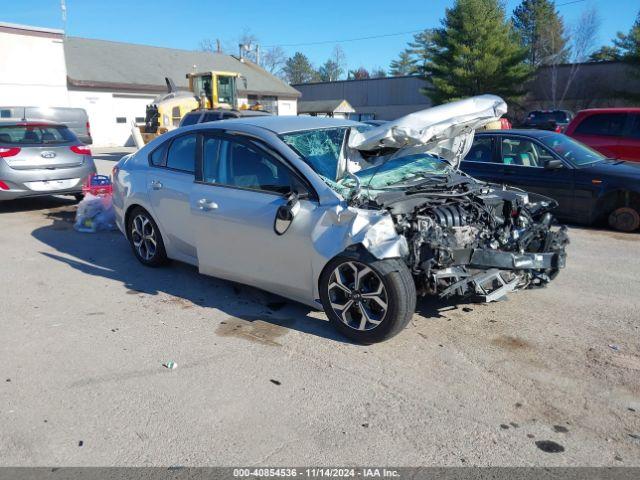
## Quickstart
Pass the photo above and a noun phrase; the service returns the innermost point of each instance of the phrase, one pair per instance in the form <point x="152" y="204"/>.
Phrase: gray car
<point x="41" y="158"/>
<point x="287" y="204"/>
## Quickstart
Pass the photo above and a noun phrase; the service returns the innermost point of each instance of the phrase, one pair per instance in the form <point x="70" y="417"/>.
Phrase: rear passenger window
<point x="157" y="156"/>
<point x="182" y="153"/>
<point x="481" y="150"/>
<point x="607" y="124"/>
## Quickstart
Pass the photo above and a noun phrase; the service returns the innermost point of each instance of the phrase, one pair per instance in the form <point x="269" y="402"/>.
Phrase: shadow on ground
<point x="36" y="203"/>
<point x="108" y="255"/>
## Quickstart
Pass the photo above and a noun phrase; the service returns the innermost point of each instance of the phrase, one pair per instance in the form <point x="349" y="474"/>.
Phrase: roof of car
<point x="24" y="123"/>
<point x="285" y="124"/>
<point x="612" y="110"/>
<point x="519" y="131"/>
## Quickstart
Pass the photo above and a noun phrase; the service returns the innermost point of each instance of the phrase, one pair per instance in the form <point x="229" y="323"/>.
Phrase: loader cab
<point x="215" y="89"/>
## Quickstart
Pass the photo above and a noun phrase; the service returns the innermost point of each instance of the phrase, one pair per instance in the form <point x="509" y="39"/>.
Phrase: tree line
<point x="478" y="48"/>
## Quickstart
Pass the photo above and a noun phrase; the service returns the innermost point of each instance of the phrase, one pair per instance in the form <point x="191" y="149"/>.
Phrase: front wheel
<point x="367" y="301"/>
<point x="145" y="239"/>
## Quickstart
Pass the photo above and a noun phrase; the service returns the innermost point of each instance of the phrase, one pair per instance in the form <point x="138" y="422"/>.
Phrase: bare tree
<point x="339" y="58"/>
<point x="273" y="60"/>
<point x="210" y="45"/>
<point x="583" y="40"/>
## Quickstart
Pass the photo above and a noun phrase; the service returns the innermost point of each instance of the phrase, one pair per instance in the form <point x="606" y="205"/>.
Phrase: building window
<point x="139" y="119"/>
<point x="121" y="119"/>
<point x="267" y="103"/>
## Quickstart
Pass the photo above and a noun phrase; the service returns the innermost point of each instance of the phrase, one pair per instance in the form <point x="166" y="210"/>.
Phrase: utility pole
<point x="63" y="11"/>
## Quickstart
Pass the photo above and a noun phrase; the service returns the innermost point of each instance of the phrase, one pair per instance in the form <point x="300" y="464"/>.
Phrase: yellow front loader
<point x="207" y="90"/>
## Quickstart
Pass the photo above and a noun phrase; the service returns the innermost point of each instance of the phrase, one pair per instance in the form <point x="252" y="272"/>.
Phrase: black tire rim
<point x="357" y="296"/>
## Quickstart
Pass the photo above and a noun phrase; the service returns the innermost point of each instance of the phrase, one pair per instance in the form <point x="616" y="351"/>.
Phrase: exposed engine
<point x="469" y="238"/>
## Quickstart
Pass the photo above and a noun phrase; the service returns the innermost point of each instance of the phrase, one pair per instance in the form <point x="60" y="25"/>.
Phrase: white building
<point x="113" y="81"/>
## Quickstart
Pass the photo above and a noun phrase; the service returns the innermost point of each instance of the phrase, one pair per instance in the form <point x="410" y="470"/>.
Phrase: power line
<point x="371" y="37"/>
<point x="324" y="42"/>
<point x="570" y="3"/>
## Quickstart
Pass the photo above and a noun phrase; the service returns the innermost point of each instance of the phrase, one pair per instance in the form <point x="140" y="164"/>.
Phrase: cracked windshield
<point x="321" y="149"/>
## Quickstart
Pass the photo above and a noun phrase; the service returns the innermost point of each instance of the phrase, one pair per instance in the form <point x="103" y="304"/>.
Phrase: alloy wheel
<point x="143" y="236"/>
<point x="358" y="296"/>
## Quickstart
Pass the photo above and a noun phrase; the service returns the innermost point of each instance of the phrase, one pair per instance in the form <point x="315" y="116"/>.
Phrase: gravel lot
<point x="86" y="331"/>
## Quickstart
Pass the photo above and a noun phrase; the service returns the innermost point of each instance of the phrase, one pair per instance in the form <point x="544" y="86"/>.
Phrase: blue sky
<point x="183" y="23"/>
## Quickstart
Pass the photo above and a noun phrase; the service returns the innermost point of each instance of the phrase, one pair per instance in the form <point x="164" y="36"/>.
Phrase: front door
<point x="524" y="167"/>
<point x="233" y="210"/>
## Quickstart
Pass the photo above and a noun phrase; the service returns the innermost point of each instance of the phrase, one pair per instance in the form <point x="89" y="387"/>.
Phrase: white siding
<point x="32" y="71"/>
<point x="104" y="108"/>
<point x="287" y="107"/>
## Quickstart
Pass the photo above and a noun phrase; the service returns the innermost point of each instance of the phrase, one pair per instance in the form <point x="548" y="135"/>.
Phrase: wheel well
<point x="613" y="200"/>
<point x="127" y="215"/>
<point x="356" y="252"/>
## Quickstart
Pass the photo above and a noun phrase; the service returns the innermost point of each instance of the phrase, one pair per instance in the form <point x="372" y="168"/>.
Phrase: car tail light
<point x="88" y="128"/>
<point x="3" y="186"/>
<point x="114" y="172"/>
<point x="81" y="150"/>
<point x="9" y="152"/>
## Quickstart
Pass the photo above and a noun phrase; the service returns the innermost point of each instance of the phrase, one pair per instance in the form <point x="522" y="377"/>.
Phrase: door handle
<point x="204" y="204"/>
<point x="156" y="185"/>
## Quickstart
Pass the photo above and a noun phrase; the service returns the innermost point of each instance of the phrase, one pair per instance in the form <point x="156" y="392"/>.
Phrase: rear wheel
<point x="367" y="301"/>
<point x="625" y="219"/>
<point x="145" y="239"/>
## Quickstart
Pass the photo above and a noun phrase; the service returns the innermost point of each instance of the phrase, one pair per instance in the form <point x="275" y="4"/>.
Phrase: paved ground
<point x="86" y="330"/>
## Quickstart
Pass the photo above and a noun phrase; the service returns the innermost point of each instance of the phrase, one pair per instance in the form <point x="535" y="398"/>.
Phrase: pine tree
<point x="298" y="69"/>
<point x="629" y="44"/>
<point x="419" y="49"/>
<point x="475" y="52"/>
<point x="330" y="71"/>
<point x="404" y="65"/>
<point x="541" y="31"/>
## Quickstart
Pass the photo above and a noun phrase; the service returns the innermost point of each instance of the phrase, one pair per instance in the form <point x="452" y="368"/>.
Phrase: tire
<point x="624" y="219"/>
<point x="375" y="323"/>
<point x="143" y="233"/>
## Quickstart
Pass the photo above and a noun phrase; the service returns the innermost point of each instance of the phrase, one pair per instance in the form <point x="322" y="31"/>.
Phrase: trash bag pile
<point x="95" y="211"/>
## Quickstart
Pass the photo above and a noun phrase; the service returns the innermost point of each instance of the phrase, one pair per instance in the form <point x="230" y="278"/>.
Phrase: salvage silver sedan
<point x="310" y="209"/>
<point x="41" y="158"/>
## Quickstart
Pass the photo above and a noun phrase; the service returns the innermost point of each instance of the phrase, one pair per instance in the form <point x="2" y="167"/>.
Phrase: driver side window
<point x="239" y="165"/>
<point x="524" y="153"/>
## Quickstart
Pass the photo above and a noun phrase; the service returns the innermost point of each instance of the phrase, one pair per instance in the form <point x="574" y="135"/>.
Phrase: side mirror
<point x="286" y="213"/>
<point x="553" y="164"/>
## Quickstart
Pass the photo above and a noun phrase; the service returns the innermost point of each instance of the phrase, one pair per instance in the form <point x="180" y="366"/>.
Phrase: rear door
<point x="169" y="183"/>
<point x="629" y="145"/>
<point x="602" y="132"/>
<point x="524" y="167"/>
<point x="482" y="162"/>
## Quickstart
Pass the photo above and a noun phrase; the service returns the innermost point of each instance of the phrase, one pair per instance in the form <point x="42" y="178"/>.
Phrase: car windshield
<point x="576" y="152"/>
<point x="320" y="149"/>
<point x="35" y="135"/>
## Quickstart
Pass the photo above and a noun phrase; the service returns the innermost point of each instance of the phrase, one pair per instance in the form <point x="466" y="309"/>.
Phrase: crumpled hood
<point x="446" y="130"/>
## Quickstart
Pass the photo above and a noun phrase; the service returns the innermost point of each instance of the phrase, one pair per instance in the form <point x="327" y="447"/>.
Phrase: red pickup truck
<point x="614" y="132"/>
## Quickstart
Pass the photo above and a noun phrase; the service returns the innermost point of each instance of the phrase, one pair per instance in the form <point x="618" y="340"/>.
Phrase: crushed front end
<point x="468" y="238"/>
